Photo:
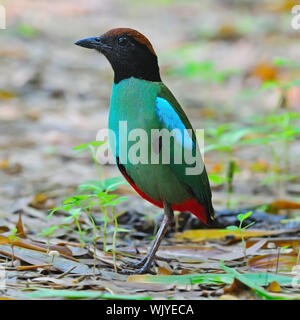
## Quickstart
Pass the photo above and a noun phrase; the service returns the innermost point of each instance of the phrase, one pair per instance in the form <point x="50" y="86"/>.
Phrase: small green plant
<point x="92" y="147"/>
<point x="98" y="196"/>
<point x="276" y="132"/>
<point x="206" y="72"/>
<point x="282" y="122"/>
<point x="13" y="235"/>
<point x="241" y="217"/>
<point x="94" y="194"/>
<point x="27" y="31"/>
<point x="48" y="233"/>
<point x="225" y="139"/>
<point x="11" y="238"/>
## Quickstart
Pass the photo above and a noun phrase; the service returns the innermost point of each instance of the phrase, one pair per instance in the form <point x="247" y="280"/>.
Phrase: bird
<point x="141" y="100"/>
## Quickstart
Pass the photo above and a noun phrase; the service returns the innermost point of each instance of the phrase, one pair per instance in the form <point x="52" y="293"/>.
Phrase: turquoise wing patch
<point x="171" y="121"/>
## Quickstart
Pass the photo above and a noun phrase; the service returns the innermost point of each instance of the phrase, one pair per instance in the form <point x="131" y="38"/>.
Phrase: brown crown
<point x="131" y="33"/>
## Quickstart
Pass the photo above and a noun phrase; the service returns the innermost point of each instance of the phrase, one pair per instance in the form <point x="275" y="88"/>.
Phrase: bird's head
<point x="129" y="52"/>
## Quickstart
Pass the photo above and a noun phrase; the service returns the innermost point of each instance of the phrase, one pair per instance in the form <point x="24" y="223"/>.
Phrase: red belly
<point x="191" y="205"/>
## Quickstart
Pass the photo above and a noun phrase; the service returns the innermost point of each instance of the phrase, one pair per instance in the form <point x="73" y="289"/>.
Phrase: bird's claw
<point x="144" y="269"/>
<point x="135" y="265"/>
<point x="141" y="267"/>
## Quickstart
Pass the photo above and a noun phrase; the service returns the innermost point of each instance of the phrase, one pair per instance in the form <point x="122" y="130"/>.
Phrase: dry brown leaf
<point x="185" y="271"/>
<point x="237" y="254"/>
<point x="278" y="205"/>
<point x="50" y="281"/>
<point x="5" y="95"/>
<point x="274" y="287"/>
<point x="35" y="257"/>
<point x="264" y="71"/>
<point x="216" y="168"/>
<point x="19" y="227"/>
<point x="33" y="267"/>
<point x="207" y="112"/>
<point x="8" y="168"/>
<point x="273" y="262"/>
<point x="4" y="229"/>
<point x="259" y="166"/>
<point x="281" y="6"/>
<point x="206" y="234"/>
<point x="29" y="244"/>
<point x="227" y="31"/>
<point x="163" y="271"/>
<point x="38" y="201"/>
<point x="140" y="287"/>
<point x="195" y="254"/>
<point x="228" y="297"/>
<point x="188" y="253"/>
<point x="4" y="164"/>
<point x="76" y="250"/>
<point x="235" y="287"/>
<point x="277" y="242"/>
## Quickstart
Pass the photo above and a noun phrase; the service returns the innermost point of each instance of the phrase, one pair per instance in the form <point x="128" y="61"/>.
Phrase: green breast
<point x="133" y="100"/>
<point x="132" y="107"/>
<point x="133" y="103"/>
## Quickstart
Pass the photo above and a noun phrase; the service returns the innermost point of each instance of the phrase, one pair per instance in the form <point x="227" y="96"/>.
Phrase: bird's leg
<point x="145" y="264"/>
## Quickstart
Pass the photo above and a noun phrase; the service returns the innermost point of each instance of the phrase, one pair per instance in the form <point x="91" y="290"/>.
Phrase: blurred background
<point x="233" y="65"/>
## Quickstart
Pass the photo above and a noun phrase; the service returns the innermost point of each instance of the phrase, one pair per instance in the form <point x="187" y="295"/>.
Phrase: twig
<point x="66" y="272"/>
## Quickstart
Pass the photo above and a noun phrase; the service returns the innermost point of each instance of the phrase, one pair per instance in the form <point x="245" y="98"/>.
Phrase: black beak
<point x="92" y="43"/>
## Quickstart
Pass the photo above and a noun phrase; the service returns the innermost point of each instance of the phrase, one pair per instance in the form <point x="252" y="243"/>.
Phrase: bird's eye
<point x="123" y="41"/>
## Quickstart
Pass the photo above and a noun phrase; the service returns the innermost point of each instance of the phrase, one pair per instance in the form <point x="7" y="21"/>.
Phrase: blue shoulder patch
<point x="168" y="116"/>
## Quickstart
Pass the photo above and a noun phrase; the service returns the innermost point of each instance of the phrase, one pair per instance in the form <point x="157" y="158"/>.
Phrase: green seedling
<point x="48" y="233"/>
<point x="286" y="131"/>
<point x="11" y="238"/>
<point x="276" y="131"/>
<point x="205" y="71"/>
<point x="74" y="214"/>
<point x="27" y="31"/>
<point x="92" y="147"/>
<point x="225" y="139"/>
<point x="217" y="179"/>
<point x="241" y="217"/>
<point x="283" y="124"/>
<point x="82" y="204"/>
<point x="93" y="194"/>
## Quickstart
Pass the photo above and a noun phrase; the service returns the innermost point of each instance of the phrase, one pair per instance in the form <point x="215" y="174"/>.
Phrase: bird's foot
<point x="141" y="267"/>
<point x="142" y="270"/>
<point x="136" y="265"/>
